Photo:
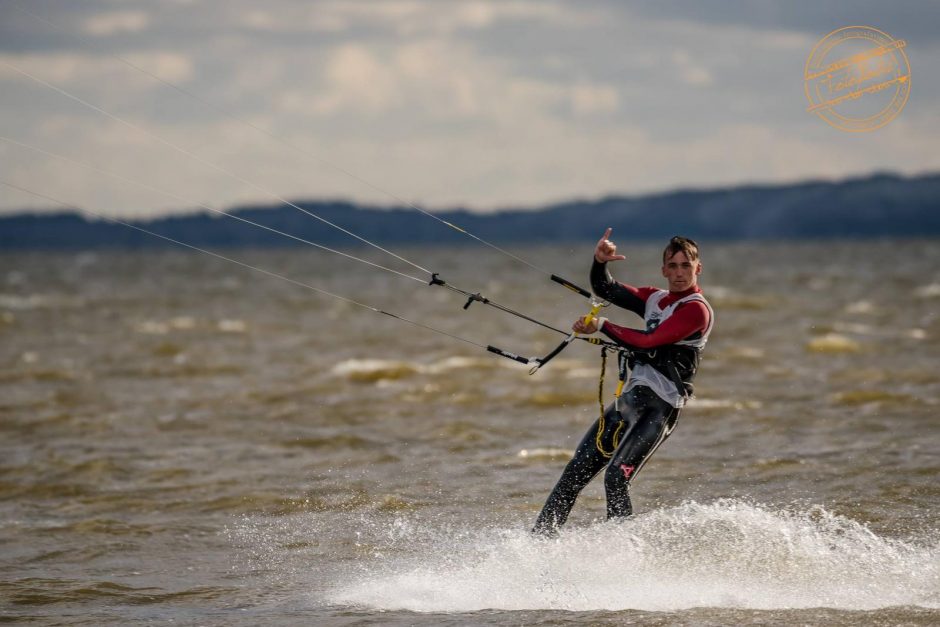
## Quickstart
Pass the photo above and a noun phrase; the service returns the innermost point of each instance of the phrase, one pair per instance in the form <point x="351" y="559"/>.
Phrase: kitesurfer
<point x="664" y="358"/>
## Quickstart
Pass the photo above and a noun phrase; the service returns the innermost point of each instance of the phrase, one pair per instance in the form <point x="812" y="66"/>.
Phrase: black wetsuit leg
<point x="651" y="421"/>
<point x="584" y="466"/>
<point x="622" y="441"/>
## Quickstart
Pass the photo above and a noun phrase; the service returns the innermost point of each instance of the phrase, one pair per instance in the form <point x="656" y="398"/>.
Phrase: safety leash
<point x="622" y="361"/>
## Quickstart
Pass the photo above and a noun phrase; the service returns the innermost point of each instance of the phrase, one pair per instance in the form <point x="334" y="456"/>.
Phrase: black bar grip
<point x="513" y="356"/>
<point x="571" y="286"/>
<point x="555" y="351"/>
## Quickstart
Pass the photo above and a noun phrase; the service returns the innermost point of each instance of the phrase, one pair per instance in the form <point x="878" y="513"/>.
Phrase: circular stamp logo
<point x="857" y="78"/>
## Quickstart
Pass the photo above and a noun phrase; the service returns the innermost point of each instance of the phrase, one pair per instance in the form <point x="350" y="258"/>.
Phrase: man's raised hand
<point x="606" y="250"/>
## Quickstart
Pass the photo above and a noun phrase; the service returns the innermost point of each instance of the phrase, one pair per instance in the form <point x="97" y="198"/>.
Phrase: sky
<point x="445" y="104"/>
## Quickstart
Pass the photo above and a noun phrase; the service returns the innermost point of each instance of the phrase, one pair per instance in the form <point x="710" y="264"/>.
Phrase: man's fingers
<point x="606" y="250"/>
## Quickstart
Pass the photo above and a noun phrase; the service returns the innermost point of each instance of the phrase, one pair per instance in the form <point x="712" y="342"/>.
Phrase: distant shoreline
<point x="873" y="207"/>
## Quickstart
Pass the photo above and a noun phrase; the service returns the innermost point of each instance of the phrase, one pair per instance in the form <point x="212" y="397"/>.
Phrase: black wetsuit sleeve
<point x="615" y="293"/>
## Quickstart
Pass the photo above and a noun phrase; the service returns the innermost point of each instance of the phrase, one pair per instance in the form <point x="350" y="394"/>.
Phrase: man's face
<point x="680" y="272"/>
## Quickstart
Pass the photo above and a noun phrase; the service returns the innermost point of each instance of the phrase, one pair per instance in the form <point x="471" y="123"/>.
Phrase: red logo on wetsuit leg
<point x="627" y="471"/>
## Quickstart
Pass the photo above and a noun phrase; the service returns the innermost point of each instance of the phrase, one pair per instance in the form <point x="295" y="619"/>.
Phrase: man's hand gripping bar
<point x="595" y="308"/>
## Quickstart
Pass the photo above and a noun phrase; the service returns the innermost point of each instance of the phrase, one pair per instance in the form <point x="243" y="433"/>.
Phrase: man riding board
<point x="664" y="359"/>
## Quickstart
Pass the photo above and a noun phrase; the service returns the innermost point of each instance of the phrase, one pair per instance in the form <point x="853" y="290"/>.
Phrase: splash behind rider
<point x="665" y="359"/>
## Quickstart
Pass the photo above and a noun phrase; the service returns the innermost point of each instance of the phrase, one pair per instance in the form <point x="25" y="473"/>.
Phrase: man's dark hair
<point x="683" y="244"/>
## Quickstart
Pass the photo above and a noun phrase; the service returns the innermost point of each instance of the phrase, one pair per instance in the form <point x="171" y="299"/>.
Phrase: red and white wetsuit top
<point x="657" y="312"/>
<point x="672" y="318"/>
<point x="645" y="374"/>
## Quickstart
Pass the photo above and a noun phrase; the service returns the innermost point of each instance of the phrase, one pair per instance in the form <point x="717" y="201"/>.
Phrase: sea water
<point x="183" y="440"/>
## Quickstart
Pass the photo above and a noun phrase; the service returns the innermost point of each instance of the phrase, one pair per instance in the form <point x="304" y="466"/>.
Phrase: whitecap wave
<point x="378" y="369"/>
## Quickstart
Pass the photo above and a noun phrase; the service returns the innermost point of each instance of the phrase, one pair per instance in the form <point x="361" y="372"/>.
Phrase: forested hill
<point x="881" y="205"/>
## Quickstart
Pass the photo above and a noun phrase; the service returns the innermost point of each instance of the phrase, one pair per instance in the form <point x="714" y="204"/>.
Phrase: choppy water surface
<point x="184" y="440"/>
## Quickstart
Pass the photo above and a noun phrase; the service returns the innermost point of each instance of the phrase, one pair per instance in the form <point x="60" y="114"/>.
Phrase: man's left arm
<point x="686" y="321"/>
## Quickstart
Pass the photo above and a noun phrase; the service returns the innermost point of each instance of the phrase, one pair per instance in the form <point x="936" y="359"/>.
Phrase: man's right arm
<point x="626" y="296"/>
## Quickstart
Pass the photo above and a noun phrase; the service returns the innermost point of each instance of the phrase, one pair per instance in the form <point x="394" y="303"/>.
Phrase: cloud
<point x="356" y="79"/>
<point x="690" y="71"/>
<point x="83" y="68"/>
<point x="433" y="78"/>
<point x="408" y="18"/>
<point x="110" y="23"/>
<point x="304" y="17"/>
<point x="589" y="99"/>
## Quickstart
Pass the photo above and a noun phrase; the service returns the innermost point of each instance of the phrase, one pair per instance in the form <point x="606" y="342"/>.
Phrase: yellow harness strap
<point x="599" y="438"/>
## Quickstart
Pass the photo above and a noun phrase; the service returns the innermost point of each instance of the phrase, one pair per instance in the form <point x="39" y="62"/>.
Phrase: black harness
<point x="679" y="363"/>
